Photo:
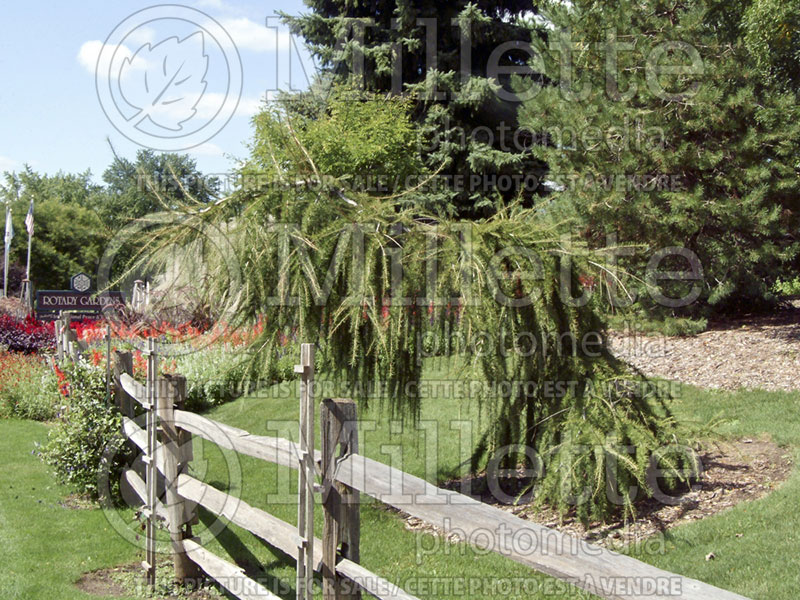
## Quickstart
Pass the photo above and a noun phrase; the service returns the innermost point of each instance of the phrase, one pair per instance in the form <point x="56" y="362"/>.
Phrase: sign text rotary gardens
<point x="79" y="300"/>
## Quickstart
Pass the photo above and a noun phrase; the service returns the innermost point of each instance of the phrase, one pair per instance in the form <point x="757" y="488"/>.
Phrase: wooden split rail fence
<point x="166" y="444"/>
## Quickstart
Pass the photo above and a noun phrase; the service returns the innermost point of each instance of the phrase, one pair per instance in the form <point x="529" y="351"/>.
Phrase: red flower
<point x="97" y="357"/>
<point x="63" y="384"/>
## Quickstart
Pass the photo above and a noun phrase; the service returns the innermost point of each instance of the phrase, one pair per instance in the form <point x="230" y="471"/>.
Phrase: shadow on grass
<point x="249" y="562"/>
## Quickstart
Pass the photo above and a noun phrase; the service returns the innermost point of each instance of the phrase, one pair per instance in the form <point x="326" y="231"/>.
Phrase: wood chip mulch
<point x="756" y="352"/>
<point x="752" y="352"/>
<point x="733" y="472"/>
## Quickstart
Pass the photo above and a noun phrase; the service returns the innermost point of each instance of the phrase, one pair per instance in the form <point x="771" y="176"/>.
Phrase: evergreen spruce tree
<point x="703" y="157"/>
<point x="441" y="54"/>
<point x="380" y="285"/>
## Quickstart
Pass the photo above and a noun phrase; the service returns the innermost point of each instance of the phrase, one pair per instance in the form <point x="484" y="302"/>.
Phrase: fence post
<point x="69" y="343"/>
<point x="306" y="471"/>
<point x="340" y="503"/>
<point x="138" y="299"/>
<point x="65" y="337"/>
<point x="123" y="363"/>
<point x="150" y="461"/>
<point x="172" y="394"/>
<point x="72" y="344"/>
<point x="108" y="363"/>
<point x="57" y="331"/>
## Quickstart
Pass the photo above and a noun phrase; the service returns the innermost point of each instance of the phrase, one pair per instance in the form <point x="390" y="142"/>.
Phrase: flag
<point x="9" y="230"/>
<point x="29" y="219"/>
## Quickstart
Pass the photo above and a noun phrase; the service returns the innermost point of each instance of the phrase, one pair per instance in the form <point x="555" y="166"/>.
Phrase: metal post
<point x="30" y="240"/>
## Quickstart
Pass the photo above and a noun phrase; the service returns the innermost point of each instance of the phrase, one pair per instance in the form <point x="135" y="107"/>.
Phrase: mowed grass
<point x="47" y="547"/>
<point x="760" y="563"/>
<point x="420" y="563"/>
<point x="754" y="543"/>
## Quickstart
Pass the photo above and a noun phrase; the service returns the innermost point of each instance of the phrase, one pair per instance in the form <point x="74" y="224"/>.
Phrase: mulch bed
<point x="752" y="352"/>
<point x="733" y="472"/>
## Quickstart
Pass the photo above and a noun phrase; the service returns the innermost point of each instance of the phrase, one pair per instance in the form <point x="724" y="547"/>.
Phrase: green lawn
<point x="47" y="547"/>
<point x="762" y="563"/>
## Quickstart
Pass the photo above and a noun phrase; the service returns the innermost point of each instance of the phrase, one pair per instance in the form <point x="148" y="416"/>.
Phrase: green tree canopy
<point x="75" y="218"/>
<point x="69" y="237"/>
<point x="702" y="156"/>
<point x="453" y="60"/>
<point x="772" y="35"/>
<point x="357" y="138"/>
<point x="381" y="287"/>
<point x="153" y="182"/>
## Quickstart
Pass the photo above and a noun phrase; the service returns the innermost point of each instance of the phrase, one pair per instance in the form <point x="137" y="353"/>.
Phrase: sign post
<point x="27" y="295"/>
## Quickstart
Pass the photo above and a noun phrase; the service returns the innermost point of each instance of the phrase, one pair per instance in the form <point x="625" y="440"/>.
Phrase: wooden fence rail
<point x="565" y="557"/>
<point x="344" y="474"/>
<point x="271" y="449"/>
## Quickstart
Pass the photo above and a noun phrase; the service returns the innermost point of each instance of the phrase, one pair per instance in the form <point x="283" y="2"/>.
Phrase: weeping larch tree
<point x="377" y="285"/>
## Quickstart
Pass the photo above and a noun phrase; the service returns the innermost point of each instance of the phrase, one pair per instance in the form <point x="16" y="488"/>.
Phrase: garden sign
<point x="80" y="300"/>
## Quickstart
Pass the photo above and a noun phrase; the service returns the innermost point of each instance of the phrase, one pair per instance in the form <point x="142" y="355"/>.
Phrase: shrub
<point x="214" y="375"/>
<point x="668" y="326"/>
<point x="16" y="273"/>
<point x="87" y="442"/>
<point x="28" y="388"/>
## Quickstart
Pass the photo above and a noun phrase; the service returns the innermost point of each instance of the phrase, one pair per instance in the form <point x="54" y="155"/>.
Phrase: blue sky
<point x="51" y="115"/>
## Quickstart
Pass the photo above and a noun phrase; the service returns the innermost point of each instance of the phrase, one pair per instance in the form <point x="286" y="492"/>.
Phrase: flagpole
<point x="27" y="289"/>
<point x="30" y="239"/>
<point x="6" y="250"/>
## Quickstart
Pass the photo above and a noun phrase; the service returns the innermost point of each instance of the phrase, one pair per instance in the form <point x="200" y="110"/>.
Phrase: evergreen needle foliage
<point x="379" y="286"/>
<point x="442" y="57"/>
<point x="662" y="129"/>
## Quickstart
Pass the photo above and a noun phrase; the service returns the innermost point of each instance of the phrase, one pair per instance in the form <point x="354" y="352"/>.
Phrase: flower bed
<point x="27" y="387"/>
<point x="27" y="336"/>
